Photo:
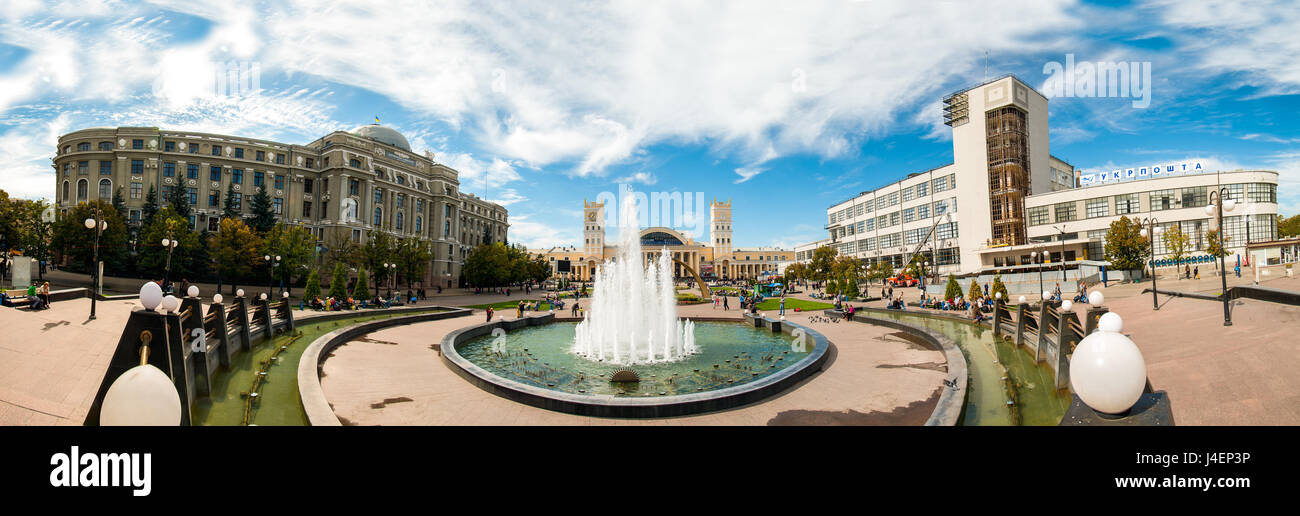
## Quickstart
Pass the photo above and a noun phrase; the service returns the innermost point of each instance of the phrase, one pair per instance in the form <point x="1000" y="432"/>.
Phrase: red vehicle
<point x="903" y="280"/>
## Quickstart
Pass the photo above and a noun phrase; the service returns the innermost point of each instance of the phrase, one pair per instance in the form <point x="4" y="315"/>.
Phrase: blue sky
<point x="783" y="107"/>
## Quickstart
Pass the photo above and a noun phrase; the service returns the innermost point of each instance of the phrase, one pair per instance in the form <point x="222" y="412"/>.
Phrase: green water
<point x="279" y="404"/>
<point x="1029" y="386"/>
<point x="730" y="354"/>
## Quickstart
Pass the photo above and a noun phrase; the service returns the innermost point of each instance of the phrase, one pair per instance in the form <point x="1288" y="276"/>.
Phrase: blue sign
<point x="1143" y="172"/>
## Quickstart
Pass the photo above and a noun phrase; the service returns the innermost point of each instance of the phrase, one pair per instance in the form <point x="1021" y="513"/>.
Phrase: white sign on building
<point x="1144" y="172"/>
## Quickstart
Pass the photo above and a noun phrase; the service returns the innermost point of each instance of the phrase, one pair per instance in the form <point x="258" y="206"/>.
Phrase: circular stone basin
<point x="731" y="355"/>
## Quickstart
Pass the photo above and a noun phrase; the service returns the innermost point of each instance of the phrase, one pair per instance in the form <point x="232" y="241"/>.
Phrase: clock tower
<point x="720" y="227"/>
<point x="593" y="229"/>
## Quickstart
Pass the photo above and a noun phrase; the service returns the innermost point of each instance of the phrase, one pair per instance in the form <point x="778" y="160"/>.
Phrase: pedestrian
<point x="1197" y="272"/>
<point x="1188" y="273"/>
<point x="489" y="314"/>
<point x="725" y="304"/>
<point x="782" y="304"/>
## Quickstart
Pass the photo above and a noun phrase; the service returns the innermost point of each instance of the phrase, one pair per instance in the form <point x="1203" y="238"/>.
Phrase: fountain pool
<point x="728" y="354"/>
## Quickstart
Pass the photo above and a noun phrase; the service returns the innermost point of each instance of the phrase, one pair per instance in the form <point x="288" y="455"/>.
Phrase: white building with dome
<point x="346" y="185"/>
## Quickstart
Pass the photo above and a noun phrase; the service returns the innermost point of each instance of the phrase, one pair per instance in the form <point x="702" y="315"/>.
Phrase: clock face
<point x="591" y="216"/>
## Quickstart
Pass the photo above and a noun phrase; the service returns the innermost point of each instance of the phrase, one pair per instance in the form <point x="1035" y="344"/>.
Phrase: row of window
<point x="883" y="201"/>
<point x="1158" y="200"/>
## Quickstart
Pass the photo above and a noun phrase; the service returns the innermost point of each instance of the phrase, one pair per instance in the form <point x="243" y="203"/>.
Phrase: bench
<point x="16" y="298"/>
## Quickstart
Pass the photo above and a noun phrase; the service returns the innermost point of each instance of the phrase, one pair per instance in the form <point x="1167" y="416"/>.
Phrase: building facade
<point x="716" y="260"/>
<point x="342" y="186"/>
<point x="1009" y="187"/>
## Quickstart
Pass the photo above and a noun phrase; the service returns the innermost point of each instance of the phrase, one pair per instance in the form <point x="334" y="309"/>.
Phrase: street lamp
<point x="98" y="224"/>
<point x="1039" y="257"/>
<point x="1216" y="200"/>
<point x="170" y="244"/>
<point x="270" y="272"/>
<point x="1152" y="233"/>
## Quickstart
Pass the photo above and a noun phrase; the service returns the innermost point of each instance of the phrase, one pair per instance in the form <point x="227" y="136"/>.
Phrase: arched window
<point x="419" y="223"/>
<point x="66" y="186"/>
<point x="105" y="189"/>
<point x="82" y="187"/>
<point x="399" y="220"/>
<point x="379" y="216"/>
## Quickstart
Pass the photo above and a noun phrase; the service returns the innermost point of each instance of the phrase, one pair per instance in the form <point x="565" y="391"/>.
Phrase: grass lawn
<point x="791" y="303"/>
<point x="508" y="305"/>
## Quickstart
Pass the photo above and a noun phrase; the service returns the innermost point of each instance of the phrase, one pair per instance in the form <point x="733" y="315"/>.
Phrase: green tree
<point x="312" y="290"/>
<point x="32" y="232"/>
<point x="413" y="256"/>
<point x="1126" y="249"/>
<point x="228" y="208"/>
<point x="1213" y="246"/>
<point x="234" y="251"/>
<point x="150" y="208"/>
<point x="339" y="248"/>
<point x="153" y="256"/>
<point x="880" y="271"/>
<point x="261" y="214"/>
<point x="296" y="248"/>
<point x="997" y="287"/>
<point x="850" y="286"/>
<point x="1177" y="243"/>
<point x="76" y="243"/>
<point x="832" y="288"/>
<point x="1288" y="226"/>
<point x="539" y="269"/>
<point x="822" y="260"/>
<point x="952" y="290"/>
<point x="380" y="248"/>
<point x="361" y="292"/>
<point x="974" y="292"/>
<point x="119" y="203"/>
<point x="339" y="282"/>
<point x="180" y="203"/>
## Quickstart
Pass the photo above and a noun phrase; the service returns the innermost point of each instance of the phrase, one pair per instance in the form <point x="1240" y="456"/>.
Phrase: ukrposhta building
<point x="1005" y="196"/>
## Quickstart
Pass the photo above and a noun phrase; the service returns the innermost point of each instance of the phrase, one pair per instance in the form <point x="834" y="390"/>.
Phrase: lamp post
<point x="1217" y="206"/>
<point x="98" y="224"/>
<point x="170" y="243"/>
<point x="1152" y="233"/>
<point x="1061" y="229"/>
<point x="270" y="272"/>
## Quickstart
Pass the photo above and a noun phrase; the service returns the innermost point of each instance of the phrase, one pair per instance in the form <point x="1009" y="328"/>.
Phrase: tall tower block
<point x="720" y="226"/>
<point x="593" y="229"/>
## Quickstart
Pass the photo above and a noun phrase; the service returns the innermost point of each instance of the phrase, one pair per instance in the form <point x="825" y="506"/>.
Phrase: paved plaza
<point x="52" y="361"/>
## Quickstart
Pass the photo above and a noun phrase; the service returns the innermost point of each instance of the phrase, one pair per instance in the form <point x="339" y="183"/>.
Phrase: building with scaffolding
<point x="1015" y="197"/>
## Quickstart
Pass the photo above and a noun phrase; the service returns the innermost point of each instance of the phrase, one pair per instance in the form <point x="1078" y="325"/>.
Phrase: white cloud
<point x="1254" y="36"/>
<point x="536" y="235"/>
<point x="747" y="173"/>
<point x="592" y="85"/>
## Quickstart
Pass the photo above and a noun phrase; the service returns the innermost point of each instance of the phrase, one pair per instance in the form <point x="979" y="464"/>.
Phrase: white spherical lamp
<point x="165" y="242"/>
<point x="193" y="291"/>
<point x="1067" y="305"/>
<point x="216" y="298"/>
<point x="262" y="296"/>
<point x="997" y="295"/>
<point x="1209" y="210"/>
<point x="1110" y="321"/>
<point x="90" y="223"/>
<point x="1107" y="370"/>
<point x="170" y="303"/>
<point x="1046" y="294"/>
<point x="285" y="295"/>
<point x="150" y="295"/>
<point x="1143" y="232"/>
<point x="1022" y="300"/>
<point x="1228" y="205"/>
<point x="142" y="396"/>
<point x="1096" y="298"/>
<point x="239" y="293"/>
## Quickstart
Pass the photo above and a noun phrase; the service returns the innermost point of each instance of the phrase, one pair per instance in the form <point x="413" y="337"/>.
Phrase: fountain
<point x="632" y="318"/>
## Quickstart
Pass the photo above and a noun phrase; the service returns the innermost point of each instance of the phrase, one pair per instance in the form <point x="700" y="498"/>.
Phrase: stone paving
<point x="52" y="361"/>
<point x="393" y="377"/>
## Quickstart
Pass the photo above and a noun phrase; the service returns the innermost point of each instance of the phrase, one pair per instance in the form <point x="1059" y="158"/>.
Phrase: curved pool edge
<point x="948" y="411"/>
<point x="310" y="392"/>
<point x="632" y="408"/>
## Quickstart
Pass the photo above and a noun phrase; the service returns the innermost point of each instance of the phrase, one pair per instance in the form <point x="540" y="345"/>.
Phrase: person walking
<point x="1196" y="272"/>
<point x="726" y="305"/>
<point x="489" y="314"/>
